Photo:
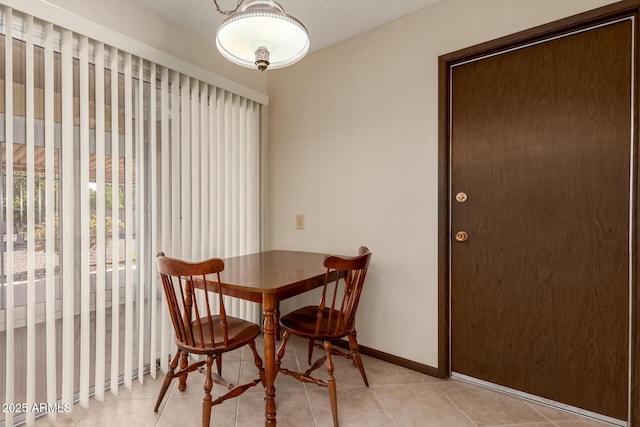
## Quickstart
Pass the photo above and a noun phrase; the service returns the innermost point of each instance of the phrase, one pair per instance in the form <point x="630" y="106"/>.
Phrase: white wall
<point x="141" y="24"/>
<point x="353" y="145"/>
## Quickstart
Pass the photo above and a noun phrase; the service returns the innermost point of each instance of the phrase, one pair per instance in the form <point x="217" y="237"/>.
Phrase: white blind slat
<point x="235" y="189"/>
<point x="176" y="173"/>
<point x="242" y="176"/>
<point x="10" y="311"/>
<point x="253" y="172"/>
<point x="67" y="222"/>
<point x="85" y="289"/>
<point x="205" y="219"/>
<point x="115" y="221"/>
<point x="129" y="224"/>
<point x="186" y="166"/>
<point x="166" y="208"/>
<point x="153" y="193"/>
<point x="50" y="300"/>
<point x="221" y="160"/>
<point x="228" y="181"/>
<point x="167" y="197"/>
<point x="31" y="250"/>
<point x="195" y="170"/>
<point x="101" y="241"/>
<point x="141" y="235"/>
<point x="212" y="168"/>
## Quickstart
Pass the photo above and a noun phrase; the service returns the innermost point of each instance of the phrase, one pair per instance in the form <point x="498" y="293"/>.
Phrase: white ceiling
<point x="328" y="21"/>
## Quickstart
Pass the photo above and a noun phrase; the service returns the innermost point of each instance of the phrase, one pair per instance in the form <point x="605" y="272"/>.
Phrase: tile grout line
<point x="164" y="404"/>
<point x="167" y="397"/>
<point x="454" y="404"/>
<point x="91" y="406"/>
<point x="384" y="408"/>
<point x="540" y="413"/>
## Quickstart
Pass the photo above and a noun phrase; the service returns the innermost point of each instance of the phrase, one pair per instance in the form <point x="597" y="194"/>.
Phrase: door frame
<point x="607" y="13"/>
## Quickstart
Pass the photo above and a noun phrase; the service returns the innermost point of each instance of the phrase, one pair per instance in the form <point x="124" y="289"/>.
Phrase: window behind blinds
<point x="107" y="159"/>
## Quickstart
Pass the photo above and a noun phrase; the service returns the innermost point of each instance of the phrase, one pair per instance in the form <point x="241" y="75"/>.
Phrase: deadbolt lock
<point x="461" y="197"/>
<point x="461" y="236"/>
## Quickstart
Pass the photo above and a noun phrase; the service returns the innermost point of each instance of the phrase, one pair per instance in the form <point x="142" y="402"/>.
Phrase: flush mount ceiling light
<point x="258" y="33"/>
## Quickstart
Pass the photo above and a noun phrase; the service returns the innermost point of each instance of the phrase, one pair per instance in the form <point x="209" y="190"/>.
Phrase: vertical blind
<point x="107" y="159"/>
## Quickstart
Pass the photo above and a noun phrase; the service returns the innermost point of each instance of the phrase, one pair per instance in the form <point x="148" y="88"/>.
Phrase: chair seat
<point x="303" y="322"/>
<point x="240" y="332"/>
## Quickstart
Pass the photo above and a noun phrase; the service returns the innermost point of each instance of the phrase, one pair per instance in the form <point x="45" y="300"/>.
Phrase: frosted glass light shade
<point x="259" y="25"/>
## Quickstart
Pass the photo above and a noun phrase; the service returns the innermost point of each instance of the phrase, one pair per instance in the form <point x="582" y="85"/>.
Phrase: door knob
<point x="461" y="236"/>
<point x="461" y="197"/>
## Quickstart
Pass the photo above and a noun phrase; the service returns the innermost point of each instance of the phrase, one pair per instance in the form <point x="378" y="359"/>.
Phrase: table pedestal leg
<point x="269" y="307"/>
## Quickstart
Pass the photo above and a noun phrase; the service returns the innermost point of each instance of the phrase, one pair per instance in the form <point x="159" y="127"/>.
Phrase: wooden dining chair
<point x="202" y="327"/>
<point x="333" y="319"/>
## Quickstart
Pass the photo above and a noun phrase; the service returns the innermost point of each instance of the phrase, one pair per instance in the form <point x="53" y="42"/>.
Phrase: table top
<point x="281" y="274"/>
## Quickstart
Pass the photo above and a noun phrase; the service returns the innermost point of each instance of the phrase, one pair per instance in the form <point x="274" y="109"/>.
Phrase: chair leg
<point x="167" y="380"/>
<point x="184" y="362"/>
<point x="283" y="345"/>
<point x="310" y="351"/>
<point x="331" y="383"/>
<point x="206" y="400"/>
<point x="258" y="362"/>
<point x="219" y="364"/>
<point x="355" y="353"/>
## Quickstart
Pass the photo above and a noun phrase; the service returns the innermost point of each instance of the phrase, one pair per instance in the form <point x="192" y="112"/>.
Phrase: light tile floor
<point x="396" y="397"/>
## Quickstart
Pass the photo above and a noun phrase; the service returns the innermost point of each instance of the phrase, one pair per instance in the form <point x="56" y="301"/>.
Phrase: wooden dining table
<point x="268" y="278"/>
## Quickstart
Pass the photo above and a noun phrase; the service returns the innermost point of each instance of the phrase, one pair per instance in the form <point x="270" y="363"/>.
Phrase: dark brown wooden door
<point x="541" y="145"/>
